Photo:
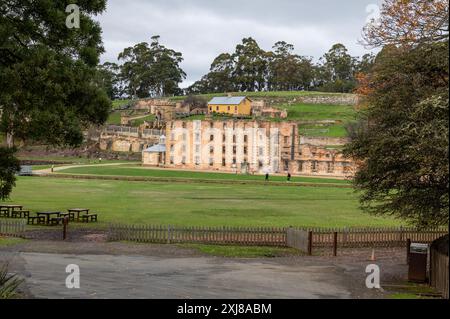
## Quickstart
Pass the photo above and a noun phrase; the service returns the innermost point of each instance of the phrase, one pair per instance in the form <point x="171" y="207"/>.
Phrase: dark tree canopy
<point x="250" y="68"/>
<point x="50" y="88"/>
<point x="402" y="140"/>
<point x="151" y="70"/>
<point x="9" y="166"/>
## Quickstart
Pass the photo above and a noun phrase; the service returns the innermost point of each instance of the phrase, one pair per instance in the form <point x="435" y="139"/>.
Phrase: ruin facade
<point x="248" y="147"/>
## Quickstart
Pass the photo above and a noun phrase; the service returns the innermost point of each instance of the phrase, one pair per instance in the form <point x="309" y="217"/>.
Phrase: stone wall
<point x="342" y="99"/>
<point x="324" y="141"/>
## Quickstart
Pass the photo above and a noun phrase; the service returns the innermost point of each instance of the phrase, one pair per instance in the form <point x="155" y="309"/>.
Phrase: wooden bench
<point x="36" y="220"/>
<point x="4" y="213"/>
<point x="56" y="221"/>
<point x="89" y="218"/>
<point x="20" y="214"/>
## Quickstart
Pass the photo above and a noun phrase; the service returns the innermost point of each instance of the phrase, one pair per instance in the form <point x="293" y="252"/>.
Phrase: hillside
<point x="320" y="114"/>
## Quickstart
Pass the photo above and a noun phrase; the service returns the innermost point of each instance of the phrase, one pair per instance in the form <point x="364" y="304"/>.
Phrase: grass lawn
<point x="118" y="103"/>
<point x="319" y="112"/>
<point x="275" y="94"/>
<point x="8" y="241"/>
<point x="243" y="251"/>
<point x="197" y="204"/>
<point x="126" y="170"/>
<point x="114" y="118"/>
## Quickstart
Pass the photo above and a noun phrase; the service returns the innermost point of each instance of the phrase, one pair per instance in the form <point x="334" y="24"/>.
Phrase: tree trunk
<point x="10" y="139"/>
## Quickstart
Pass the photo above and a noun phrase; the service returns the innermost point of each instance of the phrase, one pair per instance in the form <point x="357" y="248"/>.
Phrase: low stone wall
<point x="324" y="141"/>
<point x="344" y="99"/>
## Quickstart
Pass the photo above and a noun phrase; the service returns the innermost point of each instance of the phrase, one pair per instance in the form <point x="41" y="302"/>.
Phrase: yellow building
<point x="232" y="105"/>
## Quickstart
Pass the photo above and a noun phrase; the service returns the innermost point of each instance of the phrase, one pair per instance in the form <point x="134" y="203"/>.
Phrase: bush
<point x="9" y="284"/>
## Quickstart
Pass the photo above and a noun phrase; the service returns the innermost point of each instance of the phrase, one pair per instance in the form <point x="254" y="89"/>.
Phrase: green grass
<point x="72" y="160"/>
<point x="276" y="94"/>
<point x="197" y="204"/>
<point x="141" y="121"/>
<point x="7" y="242"/>
<point x="319" y="112"/>
<point x="119" y="103"/>
<point x="242" y="251"/>
<point x="334" y="130"/>
<point x="125" y="170"/>
<point x="114" y="118"/>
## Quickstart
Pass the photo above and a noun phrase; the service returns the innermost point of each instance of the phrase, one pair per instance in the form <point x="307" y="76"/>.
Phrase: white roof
<point x="159" y="148"/>
<point x="229" y="100"/>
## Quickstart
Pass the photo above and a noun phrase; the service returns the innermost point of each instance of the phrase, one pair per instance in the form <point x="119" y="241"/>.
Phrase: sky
<point x="203" y="29"/>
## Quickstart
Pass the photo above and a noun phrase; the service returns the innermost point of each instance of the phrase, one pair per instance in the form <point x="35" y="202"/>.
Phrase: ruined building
<point x="252" y="147"/>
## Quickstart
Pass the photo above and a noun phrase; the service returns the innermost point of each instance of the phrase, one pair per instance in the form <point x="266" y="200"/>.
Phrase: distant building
<point x="254" y="147"/>
<point x="155" y="155"/>
<point x="231" y="105"/>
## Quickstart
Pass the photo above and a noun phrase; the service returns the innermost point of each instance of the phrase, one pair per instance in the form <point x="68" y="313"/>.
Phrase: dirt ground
<point x="171" y="271"/>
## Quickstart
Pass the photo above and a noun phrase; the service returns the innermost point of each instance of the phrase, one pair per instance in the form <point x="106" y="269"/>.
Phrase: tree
<point x="250" y="66"/>
<point x="109" y="77"/>
<point x="151" y="70"/>
<point x="48" y="72"/>
<point x="402" y="140"/>
<point x="409" y="22"/>
<point x="9" y="166"/>
<point x="288" y="71"/>
<point x="337" y="70"/>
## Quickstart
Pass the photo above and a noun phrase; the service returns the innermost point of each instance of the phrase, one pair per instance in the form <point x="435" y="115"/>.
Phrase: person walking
<point x="289" y="176"/>
<point x="267" y="177"/>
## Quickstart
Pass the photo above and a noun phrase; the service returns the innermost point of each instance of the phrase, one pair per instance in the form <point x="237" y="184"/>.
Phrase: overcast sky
<point x="202" y="29"/>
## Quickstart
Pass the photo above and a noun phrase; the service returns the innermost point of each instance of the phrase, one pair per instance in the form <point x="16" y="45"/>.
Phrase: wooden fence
<point x="439" y="271"/>
<point x="374" y="237"/>
<point x="12" y="228"/>
<point x="270" y="236"/>
<point x="259" y="236"/>
<point x="299" y="239"/>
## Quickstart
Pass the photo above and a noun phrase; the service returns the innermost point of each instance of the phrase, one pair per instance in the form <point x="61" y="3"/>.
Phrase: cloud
<point x="202" y="29"/>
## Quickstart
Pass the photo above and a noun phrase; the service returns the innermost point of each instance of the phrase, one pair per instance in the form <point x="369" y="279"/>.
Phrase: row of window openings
<point x="314" y="166"/>
<point x="228" y="108"/>
<point x="211" y="161"/>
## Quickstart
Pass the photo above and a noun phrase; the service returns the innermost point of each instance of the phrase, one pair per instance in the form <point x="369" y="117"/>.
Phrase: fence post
<point x="168" y="234"/>
<point x="335" y="243"/>
<point x="408" y="250"/>
<point x="310" y="242"/>
<point x="65" y="223"/>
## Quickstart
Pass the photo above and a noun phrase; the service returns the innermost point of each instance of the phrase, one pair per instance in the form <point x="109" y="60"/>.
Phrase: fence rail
<point x="375" y="237"/>
<point x="270" y="236"/>
<point x="12" y="228"/>
<point x="262" y="236"/>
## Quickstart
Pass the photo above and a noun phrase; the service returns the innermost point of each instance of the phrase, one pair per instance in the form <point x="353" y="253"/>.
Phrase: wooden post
<point x="335" y="243"/>
<point x="168" y="234"/>
<point x="408" y="250"/>
<point x="310" y="242"/>
<point x="65" y="223"/>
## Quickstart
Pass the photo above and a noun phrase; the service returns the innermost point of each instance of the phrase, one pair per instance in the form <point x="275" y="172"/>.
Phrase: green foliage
<point x="151" y="70"/>
<point x="242" y="251"/>
<point x="48" y="72"/>
<point x="250" y="69"/>
<point x="9" y="166"/>
<point x="402" y="139"/>
<point x="9" y="284"/>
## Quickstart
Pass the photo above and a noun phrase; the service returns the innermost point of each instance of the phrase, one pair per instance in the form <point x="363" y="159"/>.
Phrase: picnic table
<point x="78" y="212"/>
<point x="10" y="208"/>
<point x="48" y="216"/>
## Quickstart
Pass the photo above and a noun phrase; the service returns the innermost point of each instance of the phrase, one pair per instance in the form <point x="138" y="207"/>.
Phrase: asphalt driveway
<point x="108" y="276"/>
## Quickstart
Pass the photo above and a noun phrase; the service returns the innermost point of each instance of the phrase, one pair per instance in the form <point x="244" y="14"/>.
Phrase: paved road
<point x="108" y="276"/>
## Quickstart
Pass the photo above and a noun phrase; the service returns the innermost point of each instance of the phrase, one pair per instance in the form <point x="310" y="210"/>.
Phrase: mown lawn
<point x="274" y="94"/>
<point x="126" y="170"/>
<point x="197" y="204"/>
